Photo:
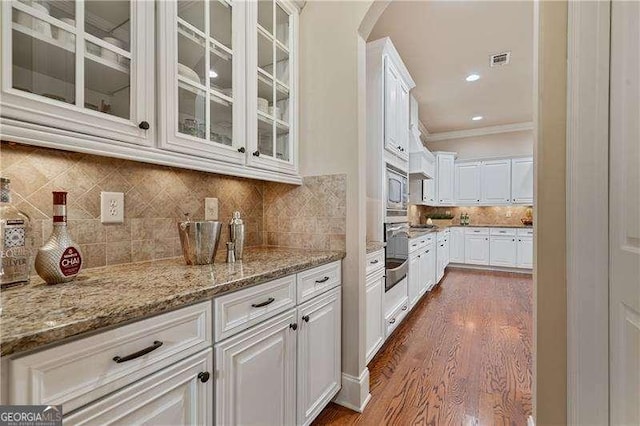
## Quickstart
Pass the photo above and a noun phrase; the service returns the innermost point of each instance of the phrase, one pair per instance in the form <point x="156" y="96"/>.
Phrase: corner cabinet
<point x="85" y="67"/>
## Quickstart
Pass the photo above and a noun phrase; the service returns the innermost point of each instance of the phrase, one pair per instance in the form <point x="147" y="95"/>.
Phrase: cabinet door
<point x="272" y="29"/>
<point x="496" y="182"/>
<point x="319" y="367"/>
<point x="255" y="376"/>
<point x="403" y="120"/>
<point x="456" y="251"/>
<point x="391" y="112"/>
<point x="201" y="73"/>
<point x="181" y="394"/>
<point x="467" y="183"/>
<point x="80" y="66"/>
<point x="445" y="179"/>
<point x="426" y="272"/>
<point x="522" y="180"/>
<point x="429" y="191"/>
<point x="375" y="315"/>
<point x="414" y="279"/>
<point x="476" y="249"/>
<point x="502" y="251"/>
<point x="525" y="252"/>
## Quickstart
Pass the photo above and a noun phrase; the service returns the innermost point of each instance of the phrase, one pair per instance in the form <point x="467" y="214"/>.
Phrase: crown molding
<point x="482" y="131"/>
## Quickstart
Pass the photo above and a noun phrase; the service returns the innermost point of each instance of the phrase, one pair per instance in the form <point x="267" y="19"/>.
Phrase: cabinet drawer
<point x="318" y="280"/>
<point x="84" y="370"/>
<point x="240" y="310"/>
<point x="476" y="231"/>
<point x="395" y="318"/>
<point x="525" y="232"/>
<point x="375" y="261"/>
<point x="503" y="231"/>
<point x="416" y="244"/>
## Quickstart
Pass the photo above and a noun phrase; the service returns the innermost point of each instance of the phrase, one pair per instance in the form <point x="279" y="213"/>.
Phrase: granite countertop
<point x="419" y="232"/>
<point x="375" y="246"/>
<point x="36" y="314"/>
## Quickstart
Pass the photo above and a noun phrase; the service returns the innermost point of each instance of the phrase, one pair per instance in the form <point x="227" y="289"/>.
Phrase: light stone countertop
<point x="37" y="314"/>
<point x="375" y="246"/>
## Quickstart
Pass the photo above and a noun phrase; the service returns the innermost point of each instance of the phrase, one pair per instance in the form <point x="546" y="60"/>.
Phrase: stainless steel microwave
<point x="397" y="194"/>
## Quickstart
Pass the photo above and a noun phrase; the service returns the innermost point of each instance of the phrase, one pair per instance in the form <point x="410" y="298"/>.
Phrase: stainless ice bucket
<point x="199" y="240"/>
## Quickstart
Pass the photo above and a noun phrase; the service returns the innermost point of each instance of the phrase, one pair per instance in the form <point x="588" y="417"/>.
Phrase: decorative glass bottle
<point x="59" y="260"/>
<point x="15" y="231"/>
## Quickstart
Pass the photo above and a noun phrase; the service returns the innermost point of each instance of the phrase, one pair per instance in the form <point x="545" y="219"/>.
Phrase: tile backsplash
<point x="492" y="215"/>
<point x="156" y="197"/>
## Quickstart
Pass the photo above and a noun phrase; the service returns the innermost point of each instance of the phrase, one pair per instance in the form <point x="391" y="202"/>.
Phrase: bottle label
<point x="70" y="262"/>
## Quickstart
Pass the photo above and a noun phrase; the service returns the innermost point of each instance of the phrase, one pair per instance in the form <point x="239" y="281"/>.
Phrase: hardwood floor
<point x="462" y="357"/>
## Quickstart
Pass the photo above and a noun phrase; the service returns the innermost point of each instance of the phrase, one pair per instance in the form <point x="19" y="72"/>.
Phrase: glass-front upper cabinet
<point x="202" y="95"/>
<point x="81" y="66"/>
<point x="271" y="90"/>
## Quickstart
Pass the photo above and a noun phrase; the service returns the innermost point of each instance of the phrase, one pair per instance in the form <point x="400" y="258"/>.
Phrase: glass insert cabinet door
<point x="201" y="60"/>
<point x="272" y="84"/>
<point x="82" y="63"/>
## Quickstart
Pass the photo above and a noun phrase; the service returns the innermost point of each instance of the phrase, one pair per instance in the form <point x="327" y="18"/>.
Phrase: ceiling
<point x="441" y="42"/>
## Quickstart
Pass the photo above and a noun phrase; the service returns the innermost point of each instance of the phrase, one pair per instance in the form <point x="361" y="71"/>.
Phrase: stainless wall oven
<point x="397" y="194"/>
<point x="396" y="253"/>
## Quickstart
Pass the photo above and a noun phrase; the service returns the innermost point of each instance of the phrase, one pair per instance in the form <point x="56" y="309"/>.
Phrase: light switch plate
<point x="210" y="209"/>
<point x="112" y="207"/>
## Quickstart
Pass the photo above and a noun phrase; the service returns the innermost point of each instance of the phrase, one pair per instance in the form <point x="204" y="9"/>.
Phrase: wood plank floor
<point x="462" y="357"/>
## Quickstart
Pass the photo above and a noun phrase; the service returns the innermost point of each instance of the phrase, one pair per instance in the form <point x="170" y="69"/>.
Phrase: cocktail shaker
<point x="236" y="233"/>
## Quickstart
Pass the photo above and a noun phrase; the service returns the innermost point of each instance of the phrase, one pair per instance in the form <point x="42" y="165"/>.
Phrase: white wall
<point x="498" y="145"/>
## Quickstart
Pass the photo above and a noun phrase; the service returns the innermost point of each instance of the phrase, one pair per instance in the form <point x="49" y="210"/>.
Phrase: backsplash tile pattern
<point x="486" y="215"/>
<point x="155" y="198"/>
<point x="310" y="216"/>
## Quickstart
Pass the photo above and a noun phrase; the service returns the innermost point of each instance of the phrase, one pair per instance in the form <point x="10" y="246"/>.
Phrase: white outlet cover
<point x="210" y="209"/>
<point x="112" y="207"/>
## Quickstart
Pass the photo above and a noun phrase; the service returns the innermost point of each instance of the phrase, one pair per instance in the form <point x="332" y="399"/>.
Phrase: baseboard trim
<point x="354" y="394"/>
<point x="491" y="268"/>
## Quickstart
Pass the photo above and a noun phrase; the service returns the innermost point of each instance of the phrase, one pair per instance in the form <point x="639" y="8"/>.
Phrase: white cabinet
<point x="496" y="182"/>
<point x="429" y="191"/>
<point x="181" y="394"/>
<point x="375" y="328"/>
<point x="476" y="246"/>
<point x="202" y="78"/>
<point x="85" y="67"/>
<point x="414" y="279"/>
<point x="467" y="182"/>
<point x="525" y="252"/>
<point x="522" y="180"/>
<point x="442" y="255"/>
<point x="256" y="374"/>
<point x="319" y="355"/>
<point x="445" y="178"/>
<point x="428" y="267"/>
<point x="396" y="111"/>
<point x="502" y="251"/>
<point x="456" y="248"/>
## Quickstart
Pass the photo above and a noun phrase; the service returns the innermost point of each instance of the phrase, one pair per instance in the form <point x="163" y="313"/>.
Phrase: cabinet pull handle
<point x="418" y="256"/>
<point x="324" y="280"/>
<point x="144" y="125"/>
<point x="305" y="318"/>
<point x="414" y="245"/>
<point x="256" y="153"/>
<point x="204" y="376"/>
<point x="404" y="308"/>
<point x="392" y="321"/>
<point x="293" y="326"/>
<point x="373" y="262"/>
<point x="119" y="359"/>
<point x="265" y="303"/>
<point x="241" y="149"/>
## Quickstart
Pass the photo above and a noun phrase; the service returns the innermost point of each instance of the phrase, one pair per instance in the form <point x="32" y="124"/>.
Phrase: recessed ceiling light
<point x="477" y="118"/>
<point x="213" y="74"/>
<point x="472" y="77"/>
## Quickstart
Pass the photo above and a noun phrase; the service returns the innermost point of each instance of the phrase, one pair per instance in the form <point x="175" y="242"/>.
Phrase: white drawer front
<point x="240" y="310"/>
<point x="503" y="231"/>
<point x="395" y="318"/>
<point x="523" y="232"/>
<point x="375" y="261"/>
<point x="318" y="280"/>
<point x="476" y="231"/>
<point x="84" y="370"/>
<point x="416" y="244"/>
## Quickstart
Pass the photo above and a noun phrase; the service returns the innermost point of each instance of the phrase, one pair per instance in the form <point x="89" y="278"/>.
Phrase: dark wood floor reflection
<point x="462" y="357"/>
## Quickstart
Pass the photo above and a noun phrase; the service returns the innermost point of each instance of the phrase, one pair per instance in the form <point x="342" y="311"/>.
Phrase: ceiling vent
<point x="500" y="59"/>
